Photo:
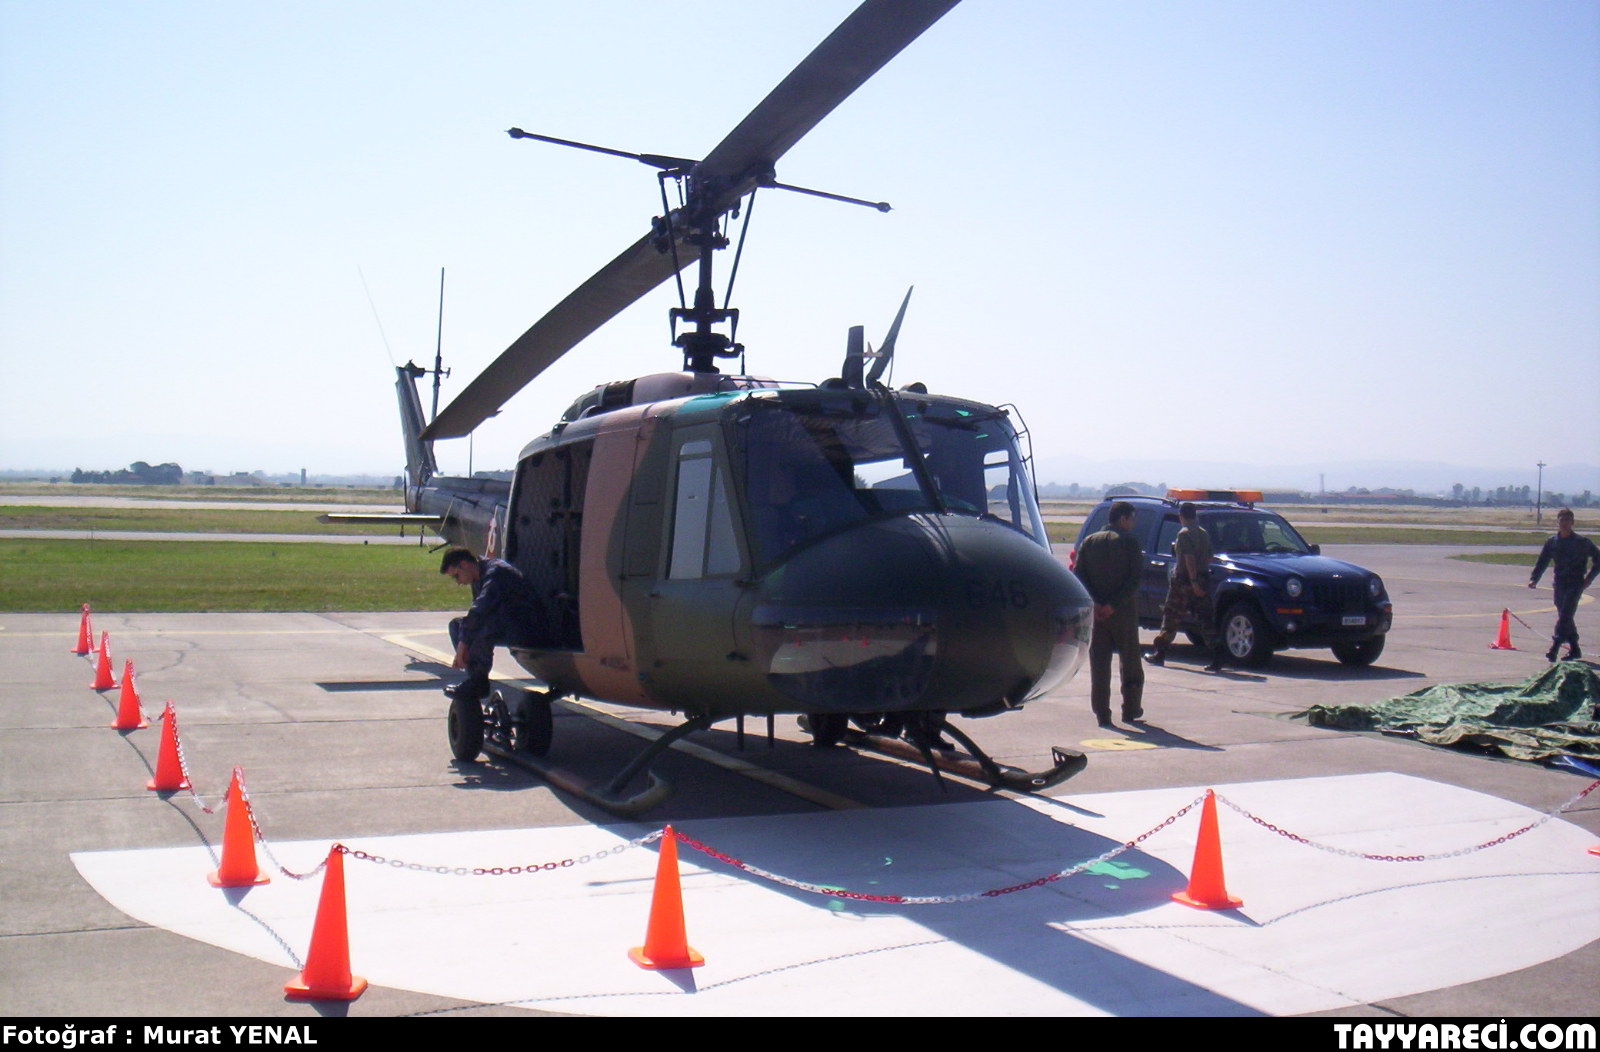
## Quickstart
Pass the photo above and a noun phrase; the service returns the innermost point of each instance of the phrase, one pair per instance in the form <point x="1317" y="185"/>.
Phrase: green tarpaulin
<point x="1549" y="715"/>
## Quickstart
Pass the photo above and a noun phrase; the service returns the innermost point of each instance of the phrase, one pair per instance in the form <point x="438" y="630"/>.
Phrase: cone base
<point x="107" y="685"/>
<point x="691" y="960"/>
<point x="180" y="787"/>
<point x="217" y="880"/>
<point x="1595" y="850"/>
<point x="1224" y="903"/>
<point x="297" y="990"/>
<point x="1497" y="646"/>
<point x="118" y="725"/>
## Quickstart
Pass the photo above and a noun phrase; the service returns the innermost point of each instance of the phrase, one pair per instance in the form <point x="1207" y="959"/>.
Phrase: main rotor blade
<point x="872" y="35"/>
<point x="614" y="287"/>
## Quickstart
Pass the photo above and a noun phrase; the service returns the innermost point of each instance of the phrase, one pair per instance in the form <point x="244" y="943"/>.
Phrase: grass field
<point x="1067" y="533"/>
<point x="188" y="576"/>
<point x="1501" y="558"/>
<point x="176" y="520"/>
<point x="244" y="494"/>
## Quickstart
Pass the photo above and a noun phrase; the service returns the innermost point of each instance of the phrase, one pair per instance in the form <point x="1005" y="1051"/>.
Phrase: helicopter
<point x="722" y="545"/>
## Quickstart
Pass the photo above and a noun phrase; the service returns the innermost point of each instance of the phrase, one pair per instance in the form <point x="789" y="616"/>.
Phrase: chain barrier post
<point x="666" y="944"/>
<point x="238" y="868"/>
<point x="1207" y="889"/>
<point x="169" y="776"/>
<point x="326" y="975"/>
<point x="102" y="665"/>
<point x="130" y="717"/>
<point x="85" y="635"/>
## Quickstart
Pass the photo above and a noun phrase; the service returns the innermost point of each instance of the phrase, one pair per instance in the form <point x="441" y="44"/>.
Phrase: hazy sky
<point x="1246" y="231"/>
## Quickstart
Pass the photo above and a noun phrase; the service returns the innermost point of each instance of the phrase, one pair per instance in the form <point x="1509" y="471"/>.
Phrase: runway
<point x="337" y="723"/>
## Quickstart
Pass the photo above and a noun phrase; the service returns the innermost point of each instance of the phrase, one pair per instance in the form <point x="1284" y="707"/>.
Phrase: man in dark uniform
<point x="1110" y="564"/>
<point x="1577" y="561"/>
<point x="505" y="612"/>
<point x="1188" y="591"/>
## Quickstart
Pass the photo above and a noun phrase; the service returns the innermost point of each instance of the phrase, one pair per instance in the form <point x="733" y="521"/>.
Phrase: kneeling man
<point x="505" y="612"/>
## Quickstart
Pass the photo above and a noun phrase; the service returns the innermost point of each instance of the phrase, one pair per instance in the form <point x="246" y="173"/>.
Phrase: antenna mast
<point x="438" y="350"/>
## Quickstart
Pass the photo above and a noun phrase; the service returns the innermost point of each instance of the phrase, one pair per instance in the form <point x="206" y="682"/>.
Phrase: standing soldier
<point x="1110" y="564"/>
<point x="1577" y="561"/>
<point x="1189" y="591"/>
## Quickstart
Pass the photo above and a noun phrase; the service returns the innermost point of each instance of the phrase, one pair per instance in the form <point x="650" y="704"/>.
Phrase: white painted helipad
<point x="1317" y="930"/>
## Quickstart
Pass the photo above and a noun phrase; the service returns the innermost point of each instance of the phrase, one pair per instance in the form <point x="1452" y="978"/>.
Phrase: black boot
<point x="1573" y="653"/>
<point x="1550" y="655"/>
<point x="1155" y="656"/>
<point x="476" y="685"/>
<point x="1216" y="660"/>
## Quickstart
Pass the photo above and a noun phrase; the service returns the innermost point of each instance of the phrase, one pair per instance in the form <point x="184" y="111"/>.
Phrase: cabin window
<point x="702" y="521"/>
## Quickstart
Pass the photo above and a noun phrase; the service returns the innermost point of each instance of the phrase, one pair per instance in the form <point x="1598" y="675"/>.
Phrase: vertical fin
<point x="420" y="466"/>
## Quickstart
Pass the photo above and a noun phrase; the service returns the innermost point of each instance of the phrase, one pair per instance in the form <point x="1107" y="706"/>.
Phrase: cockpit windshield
<point x="817" y="461"/>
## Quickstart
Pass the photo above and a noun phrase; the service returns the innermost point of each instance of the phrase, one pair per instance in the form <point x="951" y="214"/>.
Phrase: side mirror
<point x="1316" y="549"/>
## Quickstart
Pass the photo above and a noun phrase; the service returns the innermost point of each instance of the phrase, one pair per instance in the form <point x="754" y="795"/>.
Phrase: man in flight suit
<point x="1188" y="591"/>
<point x="1110" y="564"/>
<point x="1577" y="562"/>
<point x="505" y="612"/>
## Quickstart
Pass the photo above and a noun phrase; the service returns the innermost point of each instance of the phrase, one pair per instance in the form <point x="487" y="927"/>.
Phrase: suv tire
<point x="1246" y="635"/>
<point x="1359" y="652"/>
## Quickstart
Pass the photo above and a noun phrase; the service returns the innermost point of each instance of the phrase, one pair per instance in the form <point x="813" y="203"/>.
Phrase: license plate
<point x="1354" y="619"/>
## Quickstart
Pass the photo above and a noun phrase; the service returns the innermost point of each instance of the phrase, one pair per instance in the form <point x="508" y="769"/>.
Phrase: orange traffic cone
<point x="129" y="716"/>
<point x="326" y="976"/>
<point x="238" y="868"/>
<point x="85" y="634"/>
<point x="102" y="666"/>
<point x="169" y="769"/>
<point x="1504" y="640"/>
<point x="666" y="945"/>
<point x="1207" y="890"/>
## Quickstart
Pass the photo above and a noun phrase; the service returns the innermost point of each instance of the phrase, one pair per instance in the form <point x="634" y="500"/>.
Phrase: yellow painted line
<point x="1116" y="744"/>
<point x="773" y="779"/>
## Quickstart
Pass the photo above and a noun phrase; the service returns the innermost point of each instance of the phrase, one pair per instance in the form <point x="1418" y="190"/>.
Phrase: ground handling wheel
<point x="464" y="727"/>
<point x="533" y="724"/>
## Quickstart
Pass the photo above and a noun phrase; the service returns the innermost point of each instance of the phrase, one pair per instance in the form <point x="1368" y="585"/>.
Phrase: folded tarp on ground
<point x="1548" y="715"/>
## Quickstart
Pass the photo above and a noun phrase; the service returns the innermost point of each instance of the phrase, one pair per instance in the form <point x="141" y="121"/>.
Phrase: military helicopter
<point x="723" y="545"/>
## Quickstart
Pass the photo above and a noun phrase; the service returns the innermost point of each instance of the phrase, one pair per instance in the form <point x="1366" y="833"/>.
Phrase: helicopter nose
<point x="926" y="612"/>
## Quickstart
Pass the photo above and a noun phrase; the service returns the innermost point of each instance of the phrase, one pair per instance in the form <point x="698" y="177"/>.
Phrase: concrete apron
<point x="1317" y="930"/>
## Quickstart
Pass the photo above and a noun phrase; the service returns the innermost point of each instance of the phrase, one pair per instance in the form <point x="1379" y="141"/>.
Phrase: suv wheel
<point x="1246" y="635"/>
<point x="1359" y="652"/>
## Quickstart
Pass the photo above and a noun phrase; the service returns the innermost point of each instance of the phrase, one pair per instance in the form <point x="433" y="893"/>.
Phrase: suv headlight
<point x="1375" y="586"/>
<point x="1293" y="587"/>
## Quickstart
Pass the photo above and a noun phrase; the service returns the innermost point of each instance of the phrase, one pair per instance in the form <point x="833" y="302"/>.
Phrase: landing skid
<point x="978" y="765"/>
<point x="507" y="735"/>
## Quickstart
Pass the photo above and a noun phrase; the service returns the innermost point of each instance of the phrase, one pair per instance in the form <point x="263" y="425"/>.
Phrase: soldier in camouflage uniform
<point x="1189" y="592"/>
<point x="1110" y="564"/>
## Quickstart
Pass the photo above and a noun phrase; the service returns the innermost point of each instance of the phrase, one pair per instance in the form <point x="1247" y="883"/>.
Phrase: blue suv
<point x="1271" y="590"/>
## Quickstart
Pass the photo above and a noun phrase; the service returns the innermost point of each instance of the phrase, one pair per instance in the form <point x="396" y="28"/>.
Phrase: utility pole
<point x="1538" y="503"/>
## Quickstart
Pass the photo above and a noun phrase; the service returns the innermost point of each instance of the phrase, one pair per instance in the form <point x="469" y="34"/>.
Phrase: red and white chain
<point x="932" y="900"/>
<point x="505" y="871"/>
<point x="1436" y="856"/>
